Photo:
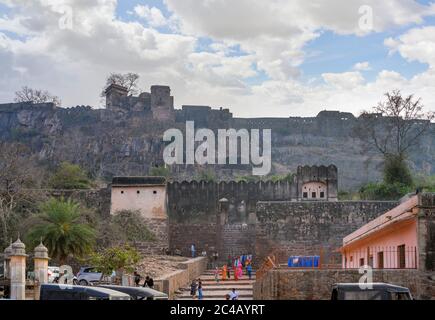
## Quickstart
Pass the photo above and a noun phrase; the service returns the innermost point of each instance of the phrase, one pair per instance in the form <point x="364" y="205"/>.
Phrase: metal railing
<point x="385" y="257"/>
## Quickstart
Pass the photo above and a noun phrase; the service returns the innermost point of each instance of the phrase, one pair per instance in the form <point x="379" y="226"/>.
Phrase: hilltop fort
<point x="125" y="137"/>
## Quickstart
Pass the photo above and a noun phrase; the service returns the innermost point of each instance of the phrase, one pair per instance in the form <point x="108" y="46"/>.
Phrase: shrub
<point x="69" y="176"/>
<point x="396" y="171"/>
<point x="384" y="191"/>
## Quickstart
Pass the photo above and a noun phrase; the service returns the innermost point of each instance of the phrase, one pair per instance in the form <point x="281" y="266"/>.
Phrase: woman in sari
<point x="236" y="275"/>
<point x="240" y="270"/>
<point x="224" y="272"/>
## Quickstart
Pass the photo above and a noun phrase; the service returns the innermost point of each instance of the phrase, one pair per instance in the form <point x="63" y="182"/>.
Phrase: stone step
<point x="211" y="278"/>
<point x="214" y="298"/>
<point x="211" y="273"/>
<point x="219" y="293"/>
<point x="222" y="287"/>
<point x="228" y="282"/>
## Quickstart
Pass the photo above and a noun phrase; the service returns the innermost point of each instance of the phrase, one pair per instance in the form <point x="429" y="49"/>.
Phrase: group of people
<point x="236" y="265"/>
<point x="148" y="283"/>
<point x="196" y="287"/>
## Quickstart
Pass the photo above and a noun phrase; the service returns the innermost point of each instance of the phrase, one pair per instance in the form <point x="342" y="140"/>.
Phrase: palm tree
<point x="61" y="231"/>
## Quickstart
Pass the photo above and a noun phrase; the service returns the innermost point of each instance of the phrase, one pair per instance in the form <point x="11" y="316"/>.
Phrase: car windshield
<point x="363" y="295"/>
<point x="400" y="296"/>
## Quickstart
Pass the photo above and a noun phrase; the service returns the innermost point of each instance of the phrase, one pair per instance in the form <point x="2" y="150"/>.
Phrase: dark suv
<point x="374" y="291"/>
<point x="65" y="292"/>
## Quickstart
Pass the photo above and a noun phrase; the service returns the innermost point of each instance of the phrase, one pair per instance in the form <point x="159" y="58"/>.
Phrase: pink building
<point x="387" y="242"/>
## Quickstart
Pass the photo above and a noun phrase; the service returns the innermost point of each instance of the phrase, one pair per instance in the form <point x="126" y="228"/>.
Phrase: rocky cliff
<point x="115" y="141"/>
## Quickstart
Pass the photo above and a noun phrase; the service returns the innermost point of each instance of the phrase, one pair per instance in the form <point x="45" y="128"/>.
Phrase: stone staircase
<point x="237" y="239"/>
<point x="213" y="290"/>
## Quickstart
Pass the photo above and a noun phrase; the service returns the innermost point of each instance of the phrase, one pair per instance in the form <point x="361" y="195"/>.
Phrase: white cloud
<point x="277" y="31"/>
<point x="362" y="66"/>
<point x="346" y="80"/>
<point x="152" y="15"/>
<point x="417" y="44"/>
<point x="273" y="34"/>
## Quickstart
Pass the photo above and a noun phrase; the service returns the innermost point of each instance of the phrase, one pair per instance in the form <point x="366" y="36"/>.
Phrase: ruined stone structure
<point x="125" y="138"/>
<point x="236" y="218"/>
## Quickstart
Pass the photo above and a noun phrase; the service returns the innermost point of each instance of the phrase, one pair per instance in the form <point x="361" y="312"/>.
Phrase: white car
<point x="53" y="273"/>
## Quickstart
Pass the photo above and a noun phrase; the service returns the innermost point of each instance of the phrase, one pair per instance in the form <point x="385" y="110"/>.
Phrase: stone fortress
<point x="125" y="137"/>
<point x="299" y="216"/>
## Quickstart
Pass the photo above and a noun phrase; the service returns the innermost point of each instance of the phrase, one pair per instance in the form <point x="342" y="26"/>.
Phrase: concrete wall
<point x="149" y="200"/>
<point x="316" y="284"/>
<point x="189" y="270"/>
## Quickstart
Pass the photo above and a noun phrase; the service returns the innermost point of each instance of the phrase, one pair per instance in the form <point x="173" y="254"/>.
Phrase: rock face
<point x="126" y="138"/>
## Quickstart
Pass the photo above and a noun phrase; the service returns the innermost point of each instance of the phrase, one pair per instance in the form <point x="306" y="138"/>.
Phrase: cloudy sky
<point x="259" y="58"/>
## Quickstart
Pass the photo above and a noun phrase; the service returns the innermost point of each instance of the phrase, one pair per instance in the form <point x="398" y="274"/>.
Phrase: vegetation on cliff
<point x="69" y="176"/>
<point x="392" y="128"/>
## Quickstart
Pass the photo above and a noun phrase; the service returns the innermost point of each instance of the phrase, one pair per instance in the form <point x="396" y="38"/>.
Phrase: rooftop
<point x="138" y="181"/>
<point x="402" y="212"/>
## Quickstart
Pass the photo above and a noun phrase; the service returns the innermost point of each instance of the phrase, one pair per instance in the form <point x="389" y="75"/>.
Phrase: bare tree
<point x="27" y="94"/>
<point x="394" y="125"/>
<point x="17" y="180"/>
<point x="127" y="80"/>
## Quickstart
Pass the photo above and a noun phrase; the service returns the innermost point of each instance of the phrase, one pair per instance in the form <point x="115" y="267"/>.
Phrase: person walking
<point x="200" y="294"/>
<point x="239" y="270"/>
<point x="224" y="272"/>
<point x="193" y="289"/>
<point x="216" y="275"/>
<point x="249" y="271"/>
<point x="192" y="250"/>
<point x="137" y="278"/>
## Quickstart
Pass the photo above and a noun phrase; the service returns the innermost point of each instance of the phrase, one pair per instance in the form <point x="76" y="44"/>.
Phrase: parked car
<point x="60" y="292"/>
<point x="53" y="273"/>
<point x="88" y="275"/>
<point x="374" y="291"/>
<point x="138" y="293"/>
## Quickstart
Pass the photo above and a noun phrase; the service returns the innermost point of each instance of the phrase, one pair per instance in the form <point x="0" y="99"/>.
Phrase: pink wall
<point x="387" y="241"/>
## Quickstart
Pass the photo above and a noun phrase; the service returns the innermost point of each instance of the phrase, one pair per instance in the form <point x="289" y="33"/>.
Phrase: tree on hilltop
<point x="27" y="94"/>
<point x="392" y="128"/>
<point x="127" y="80"/>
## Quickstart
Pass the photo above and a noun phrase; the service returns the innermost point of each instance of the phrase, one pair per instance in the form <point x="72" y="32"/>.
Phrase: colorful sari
<point x="224" y="273"/>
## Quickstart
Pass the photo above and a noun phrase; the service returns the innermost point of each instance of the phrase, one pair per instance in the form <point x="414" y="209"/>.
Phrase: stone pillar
<point x="18" y="271"/>
<point x="41" y="268"/>
<point x="6" y="262"/>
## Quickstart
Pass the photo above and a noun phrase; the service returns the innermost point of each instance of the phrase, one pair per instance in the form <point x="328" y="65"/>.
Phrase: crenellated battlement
<point x="199" y="199"/>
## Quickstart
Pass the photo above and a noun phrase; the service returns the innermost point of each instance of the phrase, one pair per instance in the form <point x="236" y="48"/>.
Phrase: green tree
<point x="119" y="259"/>
<point x="60" y="227"/>
<point x="69" y="176"/>
<point x="396" y="171"/>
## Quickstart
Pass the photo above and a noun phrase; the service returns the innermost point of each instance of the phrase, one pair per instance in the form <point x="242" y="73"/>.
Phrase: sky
<point x="262" y="58"/>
